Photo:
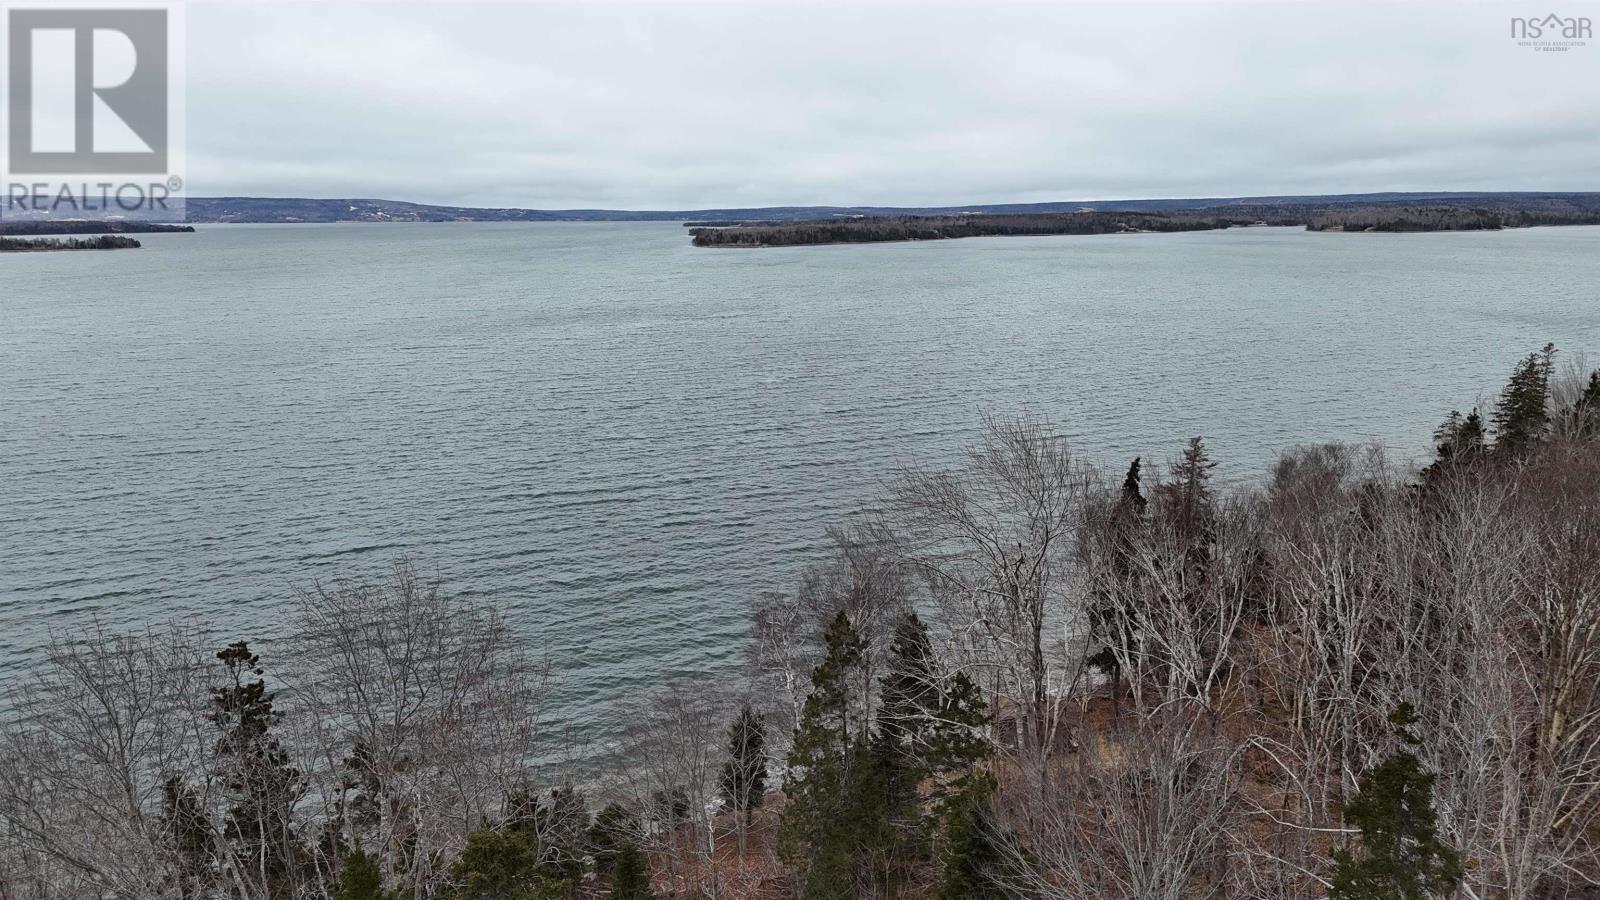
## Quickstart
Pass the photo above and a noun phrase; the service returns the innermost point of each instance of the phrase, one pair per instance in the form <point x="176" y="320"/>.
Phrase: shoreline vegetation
<point x="46" y="245"/>
<point x="1014" y="676"/>
<point x="76" y="226"/>
<point x="1392" y="218"/>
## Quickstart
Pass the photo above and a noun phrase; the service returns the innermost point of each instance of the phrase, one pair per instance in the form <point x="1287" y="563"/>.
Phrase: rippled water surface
<point x="622" y="437"/>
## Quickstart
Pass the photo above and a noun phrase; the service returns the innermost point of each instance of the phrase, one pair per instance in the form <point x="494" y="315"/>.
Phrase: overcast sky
<point x="678" y="105"/>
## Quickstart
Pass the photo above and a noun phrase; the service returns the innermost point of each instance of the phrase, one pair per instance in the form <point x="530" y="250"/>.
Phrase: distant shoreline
<point x="1393" y="218"/>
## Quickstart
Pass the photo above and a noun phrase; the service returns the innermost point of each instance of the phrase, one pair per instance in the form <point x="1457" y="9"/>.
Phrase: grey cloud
<point x="558" y="104"/>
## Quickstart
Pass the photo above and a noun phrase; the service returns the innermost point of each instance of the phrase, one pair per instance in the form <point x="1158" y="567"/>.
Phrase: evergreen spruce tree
<point x="1130" y="500"/>
<point x="360" y="879"/>
<point x="834" y="816"/>
<point x="503" y="865"/>
<point x="909" y="698"/>
<point x="974" y="847"/>
<point x="1522" y="412"/>
<point x="743" y="781"/>
<point x="1187" y="498"/>
<point x="1587" y="409"/>
<point x="632" y="881"/>
<point x="259" y="827"/>
<point x="1108" y="628"/>
<point x="958" y="743"/>
<point x="1402" y="856"/>
<point x="744" y="774"/>
<point x="613" y="829"/>
<point x="188" y="830"/>
<point x="1458" y="444"/>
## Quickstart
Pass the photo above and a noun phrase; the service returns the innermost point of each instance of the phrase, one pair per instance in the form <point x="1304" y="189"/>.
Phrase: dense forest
<point x="1016" y="676"/>
<point x="88" y="227"/>
<point x="101" y="242"/>
<point x="932" y="228"/>
<point x="1493" y="214"/>
<point x="1406" y="218"/>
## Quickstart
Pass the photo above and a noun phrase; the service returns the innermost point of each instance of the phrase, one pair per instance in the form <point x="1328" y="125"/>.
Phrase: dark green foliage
<point x="835" y="819"/>
<point x="744" y="774"/>
<point x="1130" y="501"/>
<point x="188" y="830"/>
<point x="1458" y="446"/>
<point x="928" y="726"/>
<point x="360" y="879"/>
<point x="959" y="741"/>
<point x="632" y="881"/>
<point x="910" y="697"/>
<point x="1460" y="439"/>
<point x="975" y="847"/>
<point x="503" y="865"/>
<point x="1402" y="856"/>
<point x="1186" y="500"/>
<point x="1522" y="412"/>
<point x="614" y="828"/>
<point x="559" y="829"/>
<point x="259" y="827"/>
<point x="1587" y="409"/>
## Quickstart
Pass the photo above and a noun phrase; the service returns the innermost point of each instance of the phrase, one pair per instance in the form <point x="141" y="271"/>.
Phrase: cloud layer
<point x="587" y="104"/>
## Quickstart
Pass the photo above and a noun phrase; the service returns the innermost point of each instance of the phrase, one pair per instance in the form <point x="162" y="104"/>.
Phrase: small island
<point x="42" y="245"/>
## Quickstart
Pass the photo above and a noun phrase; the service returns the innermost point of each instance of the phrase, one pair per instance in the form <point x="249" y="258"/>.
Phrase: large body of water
<point x="623" y="438"/>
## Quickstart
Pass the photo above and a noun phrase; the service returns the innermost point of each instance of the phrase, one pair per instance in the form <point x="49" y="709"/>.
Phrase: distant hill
<point x="290" y="209"/>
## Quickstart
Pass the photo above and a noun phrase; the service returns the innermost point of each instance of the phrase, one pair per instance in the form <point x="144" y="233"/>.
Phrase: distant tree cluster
<point x="1018" y="676"/>
<point x="102" y="242"/>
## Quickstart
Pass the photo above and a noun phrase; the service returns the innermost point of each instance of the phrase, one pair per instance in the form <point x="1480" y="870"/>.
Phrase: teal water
<point x="622" y="438"/>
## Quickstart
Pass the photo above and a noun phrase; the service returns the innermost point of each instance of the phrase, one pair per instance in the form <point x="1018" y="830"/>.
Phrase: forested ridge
<point x="1015" y="676"/>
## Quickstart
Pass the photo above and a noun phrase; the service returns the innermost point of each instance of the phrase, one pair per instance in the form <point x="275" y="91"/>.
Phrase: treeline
<point x="1440" y="215"/>
<point x="89" y="227"/>
<point x="933" y="228"/>
<point x="102" y="242"/>
<point x="1016" y="677"/>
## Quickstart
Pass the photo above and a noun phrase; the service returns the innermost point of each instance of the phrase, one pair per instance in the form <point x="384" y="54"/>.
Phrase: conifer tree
<point x="909" y="698"/>
<point x="958" y="742"/>
<point x="1522" y="412"/>
<point x="1587" y="409"/>
<point x="503" y="865"/>
<point x="743" y="781"/>
<point x="632" y="881"/>
<point x="1402" y="856"/>
<point x="612" y="830"/>
<point x="259" y="827"/>
<point x="188" y="829"/>
<point x="974" y="847"/>
<point x="744" y="774"/>
<point x="360" y="879"/>
<point x="1187" y="499"/>
<point x="834" y="816"/>
<point x="1130" y="500"/>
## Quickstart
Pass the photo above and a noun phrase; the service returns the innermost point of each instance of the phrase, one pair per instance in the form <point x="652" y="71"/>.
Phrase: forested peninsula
<point x="1387" y="217"/>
